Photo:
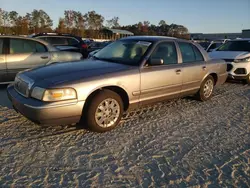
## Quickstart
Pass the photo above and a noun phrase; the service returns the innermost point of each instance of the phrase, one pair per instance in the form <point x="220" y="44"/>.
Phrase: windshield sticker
<point x="144" y="43"/>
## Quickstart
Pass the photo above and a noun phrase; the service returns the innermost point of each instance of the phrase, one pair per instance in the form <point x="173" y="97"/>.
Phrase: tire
<point x="98" y="117"/>
<point x="247" y="81"/>
<point x="206" y="90"/>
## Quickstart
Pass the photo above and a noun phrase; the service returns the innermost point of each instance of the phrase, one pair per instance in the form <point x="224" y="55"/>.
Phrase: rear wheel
<point x="206" y="89"/>
<point x="104" y="112"/>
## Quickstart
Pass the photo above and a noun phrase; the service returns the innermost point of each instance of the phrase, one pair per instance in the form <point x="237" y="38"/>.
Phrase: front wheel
<point x="104" y="111"/>
<point x="206" y="89"/>
<point x="247" y="81"/>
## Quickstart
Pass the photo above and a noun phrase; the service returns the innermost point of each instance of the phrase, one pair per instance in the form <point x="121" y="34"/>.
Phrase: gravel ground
<point x="178" y="143"/>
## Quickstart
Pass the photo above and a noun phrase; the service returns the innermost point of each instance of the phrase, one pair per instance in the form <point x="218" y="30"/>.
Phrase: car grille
<point x="21" y="87"/>
<point x="229" y="67"/>
<point x="229" y="60"/>
<point x="240" y="71"/>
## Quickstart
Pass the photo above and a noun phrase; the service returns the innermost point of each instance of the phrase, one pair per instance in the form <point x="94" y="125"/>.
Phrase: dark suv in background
<point x="65" y="42"/>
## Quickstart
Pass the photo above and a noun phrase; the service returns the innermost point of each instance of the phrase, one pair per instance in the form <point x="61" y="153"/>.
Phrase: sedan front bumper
<point x="65" y="112"/>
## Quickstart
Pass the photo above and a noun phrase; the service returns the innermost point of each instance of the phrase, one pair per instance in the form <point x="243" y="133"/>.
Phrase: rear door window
<point x="20" y="46"/>
<point x="187" y="52"/>
<point x="40" y="48"/>
<point x="198" y="54"/>
<point x="190" y="53"/>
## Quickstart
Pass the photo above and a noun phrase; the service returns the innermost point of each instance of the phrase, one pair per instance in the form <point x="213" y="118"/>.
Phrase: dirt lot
<point x="177" y="143"/>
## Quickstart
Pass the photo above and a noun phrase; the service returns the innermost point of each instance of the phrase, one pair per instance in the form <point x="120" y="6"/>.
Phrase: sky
<point x="199" y="16"/>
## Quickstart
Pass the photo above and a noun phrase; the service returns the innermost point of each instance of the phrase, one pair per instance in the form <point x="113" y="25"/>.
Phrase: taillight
<point x="84" y="46"/>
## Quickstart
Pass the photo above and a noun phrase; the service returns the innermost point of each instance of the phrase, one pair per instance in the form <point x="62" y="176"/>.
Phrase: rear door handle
<point x="44" y="57"/>
<point x="204" y="67"/>
<point x="178" y="71"/>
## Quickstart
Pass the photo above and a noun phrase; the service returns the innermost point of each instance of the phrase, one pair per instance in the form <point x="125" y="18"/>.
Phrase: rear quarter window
<point x="57" y="40"/>
<point x="43" y="38"/>
<point x="1" y="46"/>
<point x="72" y="41"/>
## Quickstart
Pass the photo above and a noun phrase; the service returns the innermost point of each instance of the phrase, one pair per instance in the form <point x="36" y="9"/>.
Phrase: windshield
<point x="235" y="46"/>
<point x="124" y="51"/>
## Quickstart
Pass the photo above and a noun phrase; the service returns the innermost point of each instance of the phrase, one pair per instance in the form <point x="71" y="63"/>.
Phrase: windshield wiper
<point x="102" y="59"/>
<point x="96" y="58"/>
<point x="117" y="61"/>
<point x="105" y="59"/>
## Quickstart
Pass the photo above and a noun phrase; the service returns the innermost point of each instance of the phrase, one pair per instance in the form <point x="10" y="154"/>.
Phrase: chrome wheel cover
<point x="208" y="88"/>
<point x="107" y="113"/>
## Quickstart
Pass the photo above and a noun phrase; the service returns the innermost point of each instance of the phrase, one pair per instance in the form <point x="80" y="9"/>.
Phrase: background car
<point x="126" y="74"/>
<point x="204" y="44"/>
<point x="88" y="41"/>
<point x="212" y="45"/>
<point x="93" y="49"/>
<point x="65" y="42"/>
<point x="97" y="45"/>
<point x="237" y="55"/>
<point x="21" y="53"/>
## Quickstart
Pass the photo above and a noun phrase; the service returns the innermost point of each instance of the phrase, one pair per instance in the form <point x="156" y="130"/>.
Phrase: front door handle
<point x="178" y="71"/>
<point x="44" y="57"/>
<point x="204" y="67"/>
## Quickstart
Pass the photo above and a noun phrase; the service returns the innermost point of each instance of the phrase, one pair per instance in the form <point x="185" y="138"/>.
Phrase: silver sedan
<point x="20" y="53"/>
<point x="126" y="74"/>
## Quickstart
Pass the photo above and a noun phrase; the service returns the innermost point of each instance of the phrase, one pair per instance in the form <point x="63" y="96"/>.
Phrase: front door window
<point x="20" y="46"/>
<point x="166" y="52"/>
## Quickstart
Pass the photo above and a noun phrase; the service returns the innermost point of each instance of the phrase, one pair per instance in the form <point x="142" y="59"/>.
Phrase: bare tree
<point x="61" y="28"/>
<point x="4" y="17"/>
<point x="162" y="23"/>
<point x="94" y="21"/>
<point x="113" y="23"/>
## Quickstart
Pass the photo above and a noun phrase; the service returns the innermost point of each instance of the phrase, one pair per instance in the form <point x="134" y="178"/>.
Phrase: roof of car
<point x="56" y="34"/>
<point x="119" y="31"/>
<point x="150" y="38"/>
<point x="26" y="38"/>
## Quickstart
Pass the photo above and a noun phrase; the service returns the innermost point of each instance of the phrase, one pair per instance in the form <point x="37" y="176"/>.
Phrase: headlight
<point x="37" y="93"/>
<point x="51" y="95"/>
<point x="59" y="94"/>
<point x="245" y="60"/>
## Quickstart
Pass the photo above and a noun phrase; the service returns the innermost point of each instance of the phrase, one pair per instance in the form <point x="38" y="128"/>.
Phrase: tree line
<point x="87" y="25"/>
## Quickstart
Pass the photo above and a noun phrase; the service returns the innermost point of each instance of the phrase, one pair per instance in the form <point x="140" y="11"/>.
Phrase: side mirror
<point x="154" y="62"/>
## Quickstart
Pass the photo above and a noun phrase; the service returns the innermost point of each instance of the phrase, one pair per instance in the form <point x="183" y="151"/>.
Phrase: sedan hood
<point x="228" y="54"/>
<point x="72" y="71"/>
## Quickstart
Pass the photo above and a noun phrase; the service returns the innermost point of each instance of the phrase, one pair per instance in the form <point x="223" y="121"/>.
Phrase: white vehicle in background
<point x="237" y="55"/>
<point x="214" y="44"/>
